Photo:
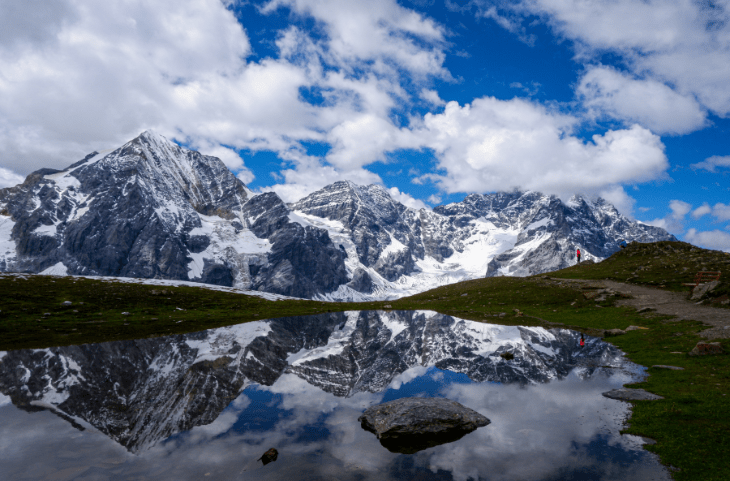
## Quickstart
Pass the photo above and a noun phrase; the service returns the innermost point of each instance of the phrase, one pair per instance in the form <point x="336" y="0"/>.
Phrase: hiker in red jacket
<point x="578" y="254"/>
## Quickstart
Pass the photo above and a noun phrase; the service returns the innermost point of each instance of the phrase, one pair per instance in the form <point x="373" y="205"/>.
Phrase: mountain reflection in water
<point x="214" y="401"/>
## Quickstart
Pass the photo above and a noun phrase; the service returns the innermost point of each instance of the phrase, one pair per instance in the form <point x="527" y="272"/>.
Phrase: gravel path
<point x="670" y="303"/>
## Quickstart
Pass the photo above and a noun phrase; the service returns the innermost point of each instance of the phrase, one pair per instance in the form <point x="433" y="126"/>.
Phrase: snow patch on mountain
<point x="222" y="341"/>
<point x="7" y="244"/>
<point x="226" y="242"/>
<point x="393" y="323"/>
<point x="55" y="270"/>
<point x="338" y="340"/>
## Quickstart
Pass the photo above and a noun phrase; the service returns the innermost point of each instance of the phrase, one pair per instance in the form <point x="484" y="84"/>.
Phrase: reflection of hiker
<point x="578" y="254"/>
<point x="622" y="244"/>
<point x="582" y="341"/>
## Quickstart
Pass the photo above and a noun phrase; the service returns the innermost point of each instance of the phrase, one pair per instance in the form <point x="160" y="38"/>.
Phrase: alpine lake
<point x="208" y="405"/>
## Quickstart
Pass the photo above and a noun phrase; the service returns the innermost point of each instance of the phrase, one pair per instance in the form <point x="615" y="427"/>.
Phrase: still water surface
<point x="207" y="405"/>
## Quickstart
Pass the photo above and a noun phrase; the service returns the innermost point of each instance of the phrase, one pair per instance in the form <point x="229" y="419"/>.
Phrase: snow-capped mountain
<point x="393" y="250"/>
<point x="139" y="392"/>
<point x="153" y="209"/>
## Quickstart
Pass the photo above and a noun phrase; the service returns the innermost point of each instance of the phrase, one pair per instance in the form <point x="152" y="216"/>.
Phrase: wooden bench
<point x="702" y="277"/>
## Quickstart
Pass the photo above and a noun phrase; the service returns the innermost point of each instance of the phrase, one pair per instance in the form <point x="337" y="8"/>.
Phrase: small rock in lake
<point x="627" y="394"/>
<point x="269" y="456"/>
<point x="674" y="368"/>
<point x="704" y="348"/>
<point x="409" y="425"/>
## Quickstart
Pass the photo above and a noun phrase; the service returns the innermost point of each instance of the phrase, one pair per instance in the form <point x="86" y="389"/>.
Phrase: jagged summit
<point x="154" y="209"/>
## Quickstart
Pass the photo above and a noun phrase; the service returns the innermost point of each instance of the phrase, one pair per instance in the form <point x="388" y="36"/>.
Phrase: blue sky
<point x="434" y="99"/>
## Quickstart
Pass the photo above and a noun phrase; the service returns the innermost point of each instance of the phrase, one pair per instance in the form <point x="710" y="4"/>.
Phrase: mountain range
<point x="154" y="209"/>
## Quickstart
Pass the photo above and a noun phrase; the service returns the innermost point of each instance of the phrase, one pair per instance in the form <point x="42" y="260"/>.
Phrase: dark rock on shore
<point x="409" y="425"/>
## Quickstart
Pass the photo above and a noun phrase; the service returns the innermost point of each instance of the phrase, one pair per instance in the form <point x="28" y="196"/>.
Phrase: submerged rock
<point x="269" y="456"/>
<point x="627" y="394"/>
<point x="409" y="425"/>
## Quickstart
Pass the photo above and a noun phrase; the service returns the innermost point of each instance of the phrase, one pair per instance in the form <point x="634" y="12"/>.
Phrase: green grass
<point x="31" y="314"/>
<point x="691" y="425"/>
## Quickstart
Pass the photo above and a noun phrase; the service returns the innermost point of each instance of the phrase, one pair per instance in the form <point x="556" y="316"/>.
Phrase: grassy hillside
<point x="661" y="264"/>
<point x="32" y="314"/>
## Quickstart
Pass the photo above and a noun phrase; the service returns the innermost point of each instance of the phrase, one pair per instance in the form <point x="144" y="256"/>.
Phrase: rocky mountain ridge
<point x="153" y="209"/>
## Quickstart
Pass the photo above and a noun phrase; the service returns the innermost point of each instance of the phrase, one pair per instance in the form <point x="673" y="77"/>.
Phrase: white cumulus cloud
<point x="407" y="199"/>
<point x="714" y="239"/>
<point x="702" y="210"/>
<point x="607" y="92"/>
<point x="674" y="221"/>
<point x="680" y="50"/>
<point x="712" y="163"/>
<point x="8" y="178"/>
<point x="497" y="145"/>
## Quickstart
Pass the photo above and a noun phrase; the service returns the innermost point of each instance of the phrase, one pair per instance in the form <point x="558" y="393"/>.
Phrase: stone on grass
<point x="674" y="368"/>
<point x="409" y="425"/>
<point x="703" y="289"/>
<point x="66" y="303"/>
<point x="704" y="348"/>
<point x="613" y="332"/>
<point x="635" y="328"/>
<point x="627" y="394"/>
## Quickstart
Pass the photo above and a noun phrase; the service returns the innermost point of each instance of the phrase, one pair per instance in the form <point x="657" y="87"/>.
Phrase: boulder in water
<point x="409" y="425"/>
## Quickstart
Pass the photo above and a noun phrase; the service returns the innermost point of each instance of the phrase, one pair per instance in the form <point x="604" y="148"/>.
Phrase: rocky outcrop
<point x="409" y="425"/>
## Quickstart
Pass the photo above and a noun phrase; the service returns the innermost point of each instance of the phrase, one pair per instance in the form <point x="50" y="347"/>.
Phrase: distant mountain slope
<point x="393" y="250"/>
<point x="153" y="209"/>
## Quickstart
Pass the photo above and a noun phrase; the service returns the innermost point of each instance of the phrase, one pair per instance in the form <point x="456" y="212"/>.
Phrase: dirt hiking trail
<point x="667" y="303"/>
